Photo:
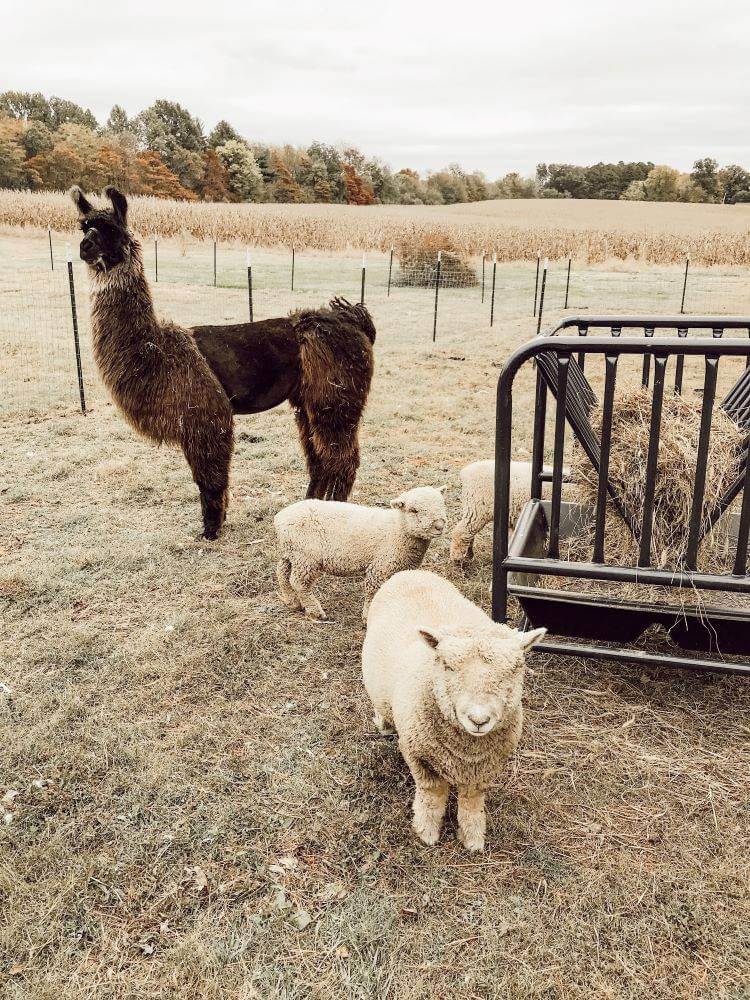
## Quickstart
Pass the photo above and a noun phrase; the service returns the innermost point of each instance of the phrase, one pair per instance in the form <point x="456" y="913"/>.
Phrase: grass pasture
<point x="194" y="802"/>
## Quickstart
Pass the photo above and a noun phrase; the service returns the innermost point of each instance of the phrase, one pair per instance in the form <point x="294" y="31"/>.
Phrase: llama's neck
<point x="122" y="312"/>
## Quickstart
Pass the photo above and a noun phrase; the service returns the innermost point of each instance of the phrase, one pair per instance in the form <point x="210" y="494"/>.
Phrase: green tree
<point x="635" y="191"/>
<point x="221" y="133"/>
<point x="12" y="153"/>
<point x="704" y="176"/>
<point x="662" y="184"/>
<point x="37" y="139"/>
<point x="732" y="180"/>
<point x="118" y="121"/>
<point x="244" y="177"/>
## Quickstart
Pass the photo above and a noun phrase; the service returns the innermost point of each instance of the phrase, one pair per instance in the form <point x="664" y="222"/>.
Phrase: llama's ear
<point x="80" y="200"/>
<point x="119" y="202"/>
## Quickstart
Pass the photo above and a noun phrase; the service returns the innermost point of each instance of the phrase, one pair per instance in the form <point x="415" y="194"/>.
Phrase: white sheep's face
<point x="423" y="511"/>
<point x="481" y="676"/>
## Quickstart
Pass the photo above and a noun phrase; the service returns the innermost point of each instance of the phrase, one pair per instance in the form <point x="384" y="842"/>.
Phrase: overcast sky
<point x="494" y="86"/>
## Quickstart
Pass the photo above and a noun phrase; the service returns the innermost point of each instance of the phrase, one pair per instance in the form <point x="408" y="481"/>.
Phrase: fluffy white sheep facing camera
<point x="449" y="680"/>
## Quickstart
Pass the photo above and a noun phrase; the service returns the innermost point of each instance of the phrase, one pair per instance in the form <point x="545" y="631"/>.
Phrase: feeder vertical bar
<point x="696" y="508"/>
<point x="536" y="282"/>
<point x="740" y="560"/>
<point x="362" y="288"/>
<point x="74" y="314"/>
<point x="660" y="365"/>
<point x="484" y="257"/>
<point x="553" y="551"/>
<point x="537" y="450"/>
<point x="567" y="281"/>
<point x="610" y="377"/>
<point x="646" y="374"/>
<point x="541" y="296"/>
<point x="680" y="366"/>
<point x="494" y="277"/>
<point x="503" y="420"/>
<point x="582" y="332"/>
<point x="156" y="259"/>
<point x="390" y="271"/>
<point x="437" y="290"/>
<point x="51" y="258"/>
<point x="214" y="263"/>
<point x="249" y="286"/>
<point x="684" y="284"/>
<point x="292" y="268"/>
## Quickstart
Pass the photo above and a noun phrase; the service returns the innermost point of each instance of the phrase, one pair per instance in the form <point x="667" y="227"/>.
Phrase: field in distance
<point x="593" y="231"/>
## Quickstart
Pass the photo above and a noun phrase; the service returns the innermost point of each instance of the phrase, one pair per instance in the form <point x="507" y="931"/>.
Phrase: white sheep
<point x="450" y="681"/>
<point x="346" y="539"/>
<point x="478" y="502"/>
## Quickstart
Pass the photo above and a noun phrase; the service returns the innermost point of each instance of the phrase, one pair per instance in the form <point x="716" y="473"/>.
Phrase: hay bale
<point x="675" y="478"/>
<point x="417" y="258"/>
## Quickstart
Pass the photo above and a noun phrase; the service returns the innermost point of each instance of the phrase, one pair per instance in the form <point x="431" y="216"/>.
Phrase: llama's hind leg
<point x="311" y="457"/>
<point x="338" y="457"/>
<point x="213" y="509"/>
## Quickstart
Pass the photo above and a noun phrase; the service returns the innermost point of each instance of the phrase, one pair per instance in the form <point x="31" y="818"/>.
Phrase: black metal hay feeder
<point x="534" y="551"/>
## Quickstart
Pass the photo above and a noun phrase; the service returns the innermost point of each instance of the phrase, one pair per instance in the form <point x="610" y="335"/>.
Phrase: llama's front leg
<point x="213" y="508"/>
<point x="472" y="819"/>
<point x="430" y="802"/>
<point x="301" y="580"/>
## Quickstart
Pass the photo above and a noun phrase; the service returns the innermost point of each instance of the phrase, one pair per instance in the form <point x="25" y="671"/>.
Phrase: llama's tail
<point x="357" y="314"/>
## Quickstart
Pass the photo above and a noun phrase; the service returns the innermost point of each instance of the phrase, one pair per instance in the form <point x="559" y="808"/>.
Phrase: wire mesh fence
<point x="196" y="283"/>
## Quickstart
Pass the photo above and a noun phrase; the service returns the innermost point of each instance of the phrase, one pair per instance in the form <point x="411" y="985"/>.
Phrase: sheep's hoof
<point x="383" y="727"/>
<point x="428" y="833"/>
<point x="472" y="841"/>
<point x="318" y="614"/>
<point x="290" y="602"/>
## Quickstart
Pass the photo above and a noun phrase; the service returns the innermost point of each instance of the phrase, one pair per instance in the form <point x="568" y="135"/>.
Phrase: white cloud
<point x="494" y="86"/>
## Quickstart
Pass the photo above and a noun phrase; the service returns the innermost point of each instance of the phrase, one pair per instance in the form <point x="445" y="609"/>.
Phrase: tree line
<point x="52" y="143"/>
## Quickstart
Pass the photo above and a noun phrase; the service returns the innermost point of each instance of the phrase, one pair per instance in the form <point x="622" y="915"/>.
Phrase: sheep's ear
<point x="526" y="640"/>
<point x="80" y="200"/>
<point x="430" y="637"/>
<point x="119" y="202"/>
<point x="398" y="504"/>
<point x="443" y="488"/>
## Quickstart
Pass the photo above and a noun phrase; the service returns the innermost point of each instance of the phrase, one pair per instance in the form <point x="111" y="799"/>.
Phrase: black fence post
<point x="51" y="258"/>
<point x="292" y="268"/>
<point x="156" y="260"/>
<point x="541" y="296"/>
<point x="362" y="289"/>
<point x="437" y="290"/>
<point x="214" y="263"/>
<point x="74" y="314"/>
<point x="484" y="257"/>
<point x="536" y="283"/>
<point x="567" y="281"/>
<point x="250" y="287"/>
<point x="494" y="276"/>
<point x="390" y="271"/>
<point x="684" y="284"/>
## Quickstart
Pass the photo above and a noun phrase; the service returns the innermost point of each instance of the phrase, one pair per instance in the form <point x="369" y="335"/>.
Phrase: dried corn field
<point x="593" y="231"/>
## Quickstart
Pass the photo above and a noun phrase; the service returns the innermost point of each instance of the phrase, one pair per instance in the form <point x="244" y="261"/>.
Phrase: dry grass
<point x="203" y="809"/>
<point x="593" y="231"/>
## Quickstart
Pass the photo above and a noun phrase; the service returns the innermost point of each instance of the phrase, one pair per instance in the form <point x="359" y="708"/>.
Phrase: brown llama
<point x="183" y="386"/>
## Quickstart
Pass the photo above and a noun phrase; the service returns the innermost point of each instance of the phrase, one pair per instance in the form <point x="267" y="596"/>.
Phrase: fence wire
<point x="195" y="285"/>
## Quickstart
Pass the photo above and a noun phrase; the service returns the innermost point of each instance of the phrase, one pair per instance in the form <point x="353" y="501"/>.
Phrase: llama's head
<point x="106" y="241"/>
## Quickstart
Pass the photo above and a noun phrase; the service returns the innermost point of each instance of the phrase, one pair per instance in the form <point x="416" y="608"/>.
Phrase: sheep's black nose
<point x="479" y="717"/>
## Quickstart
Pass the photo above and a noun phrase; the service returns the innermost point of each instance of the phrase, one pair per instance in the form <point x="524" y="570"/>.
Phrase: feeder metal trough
<point x="534" y="552"/>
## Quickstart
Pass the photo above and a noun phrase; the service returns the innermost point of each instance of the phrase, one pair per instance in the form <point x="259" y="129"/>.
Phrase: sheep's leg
<point x="301" y="580"/>
<point x="473" y="519"/>
<point x="287" y="593"/>
<point x="382" y="723"/>
<point x="472" y="819"/>
<point x="430" y="802"/>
